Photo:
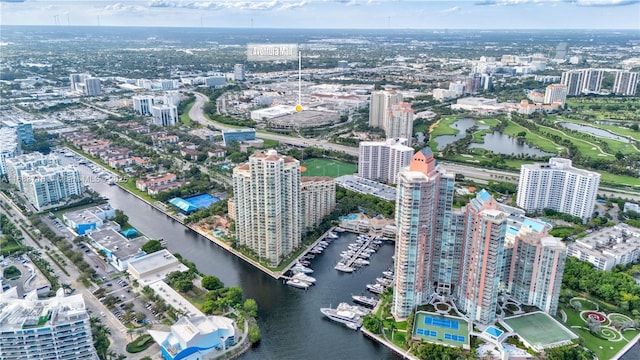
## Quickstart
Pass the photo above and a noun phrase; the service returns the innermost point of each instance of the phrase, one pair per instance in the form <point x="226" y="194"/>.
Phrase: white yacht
<point x="361" y="262"/>
<point x="344" y="268"/>
<point x="388" y="274"/>
<point x="332" y="235"/>
<point x="338" y="229"/>
<point x="358" y="310"/>
<point x="298" y="284"/>
<point x="346" y="317"/>
<point x="375" y="288"/>
<point x="304" y="277"/>
<point x="368" y="301"/>
<point x="302" y="269"/>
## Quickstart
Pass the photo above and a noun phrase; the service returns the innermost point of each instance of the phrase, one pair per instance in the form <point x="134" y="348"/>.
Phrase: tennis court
<point x="441" y="329"/>
<point x="202" y="201"/>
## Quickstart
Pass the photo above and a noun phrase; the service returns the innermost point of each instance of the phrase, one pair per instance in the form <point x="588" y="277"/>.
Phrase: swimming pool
<point x="493" y="331"/>
<point x="349" y="217"/>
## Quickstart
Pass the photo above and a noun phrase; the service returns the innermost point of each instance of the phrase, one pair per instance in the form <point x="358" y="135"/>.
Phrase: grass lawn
<point x="585" y="305"/>
<point x="437" y="333"/>
<point x="444" y="127"/>
<point x="328" y="167"/>
<point x="271" y="144"/>
<point x="130" y="185"/>
<point x="539" y="329"/>
<point x="613" y="179"/>
<point x="585" y="147"/>
<point x="140" y="344"/>
<point x="184" y="117"/>
<point x="596" y="344"/>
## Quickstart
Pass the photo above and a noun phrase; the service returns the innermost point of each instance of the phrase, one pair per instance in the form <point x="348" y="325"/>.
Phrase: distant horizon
<point x="318" y="28"/>
<point x="329" y="14"/>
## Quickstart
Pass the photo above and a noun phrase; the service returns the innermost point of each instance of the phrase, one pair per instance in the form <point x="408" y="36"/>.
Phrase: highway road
<point x="196" y="113"/>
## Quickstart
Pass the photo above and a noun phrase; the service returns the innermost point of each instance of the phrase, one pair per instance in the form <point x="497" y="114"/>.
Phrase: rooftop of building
<point x="30" y="312"/>
<point x="161" y="263"/>
<point x="315" y="178"/>
<point x="560" y="164"/>
<point x="119" y="245"/>
<point x="366" y="186"/>
<point x="45" y="170"/>
<point x="173" y="298"/>
<point x="88" y="214"/>
<point x="610" y="241"/>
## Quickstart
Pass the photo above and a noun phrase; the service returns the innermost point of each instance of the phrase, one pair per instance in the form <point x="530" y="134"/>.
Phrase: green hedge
<point x="140" y="344"/>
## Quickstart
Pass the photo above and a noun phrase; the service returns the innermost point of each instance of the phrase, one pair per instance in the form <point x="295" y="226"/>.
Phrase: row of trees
<point x="11" y="238"/>
<point x="616" y="286"/>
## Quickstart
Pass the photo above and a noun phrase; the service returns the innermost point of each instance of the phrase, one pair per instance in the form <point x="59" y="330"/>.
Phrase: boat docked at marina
<point x="344" y="268"/>
<point x="358" y="310"/>
<point x="302" y="269"/>
<point x="361" y="262"/>
<point x="331" y="235"/>
<point x="388" y="274"/>
<point x="364" y="300"/>
<point x="304" y="277"/>
<point x="384" y="282"/>
<point x="345" y="317"/>
<point x="296" y="283"/>
<point x="375" y="288"/>
<point x="338" y="229"/>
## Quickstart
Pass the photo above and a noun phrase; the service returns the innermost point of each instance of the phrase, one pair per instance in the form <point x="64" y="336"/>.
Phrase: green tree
<point x="254" y="334"/>
<point x="121" y="218"/>
<point x="152" y="246"/>
<point x="211" y="282"/>
<point x="250" y="307"/>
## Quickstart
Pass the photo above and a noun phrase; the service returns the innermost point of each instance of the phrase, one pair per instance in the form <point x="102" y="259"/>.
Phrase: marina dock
<point x="305" y="252"/>
<point x="364" y="246"/>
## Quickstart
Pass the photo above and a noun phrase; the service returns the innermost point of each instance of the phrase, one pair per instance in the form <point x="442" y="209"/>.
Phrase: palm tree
<point x="130" y="332"/>
<point x="393" y="328"/>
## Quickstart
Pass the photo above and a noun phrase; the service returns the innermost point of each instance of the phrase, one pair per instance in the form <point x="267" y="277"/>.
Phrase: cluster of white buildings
<point x="85" y="84"/>
<point x="558" y="186"/>
<point x="606" y="248"/>
<point x="382" y="160"/>
<point x="57" y="328"/>
<point x="387" y="111"/>
<point x="473" y="252"/>
<point x="163" y="112"/>
<point x="588" y="81"/>
<point x="273" y="205"/>
<point x="42" y="179"/>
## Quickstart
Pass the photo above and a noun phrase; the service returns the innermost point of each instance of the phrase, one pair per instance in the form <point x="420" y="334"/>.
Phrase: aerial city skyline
<point x="195" y="180"/>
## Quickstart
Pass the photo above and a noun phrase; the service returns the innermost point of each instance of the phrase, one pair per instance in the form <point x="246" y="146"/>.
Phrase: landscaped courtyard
<point x="603" y="333"/>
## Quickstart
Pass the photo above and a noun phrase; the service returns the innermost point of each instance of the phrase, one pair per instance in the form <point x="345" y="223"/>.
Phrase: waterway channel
<point x="291" y="323"/>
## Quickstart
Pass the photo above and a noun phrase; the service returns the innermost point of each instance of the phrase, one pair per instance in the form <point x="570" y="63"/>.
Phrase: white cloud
<point x="451" y="9"/>
<point x="293" y="5"/>
<point x="123" y="8"/>
<point x="230" y="4"/>
<point x="605" y="2"/>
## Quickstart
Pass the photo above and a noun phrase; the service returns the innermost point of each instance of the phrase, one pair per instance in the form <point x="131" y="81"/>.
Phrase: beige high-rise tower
<point x="267" y="205"/>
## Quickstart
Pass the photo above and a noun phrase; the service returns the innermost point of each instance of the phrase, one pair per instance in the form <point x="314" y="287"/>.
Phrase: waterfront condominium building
<point x="625" y="83"/>
<point x="142" y="104"/>
<point x="30" y="161"/>
<point x="51" y="329"/>
<point x="317" y="200"/>
<point x="164" y="115"/>
<point x="425" y="224"/>
<point x="381" y="102"/>
<point x="400" y="122"/>
<point x="573" y="79"/>
<point x="555" y="93"/>
<point x="483" y="262"/>
<point x="558" y="186"/>
<point x="267" y="203"/>
<point x="382" y="160"/>
<point x="537" y="266"/>
<point x="49" y="185"/>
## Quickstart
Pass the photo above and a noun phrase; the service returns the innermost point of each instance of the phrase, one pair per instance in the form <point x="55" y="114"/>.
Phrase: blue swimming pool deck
<point x="493" y="331"/>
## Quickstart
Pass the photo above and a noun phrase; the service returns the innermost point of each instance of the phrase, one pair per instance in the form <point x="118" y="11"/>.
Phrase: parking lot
<point x="120" y="299"/>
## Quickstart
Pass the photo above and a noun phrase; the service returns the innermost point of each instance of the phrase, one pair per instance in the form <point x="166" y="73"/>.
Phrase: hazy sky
<point x="429" y="14"/>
